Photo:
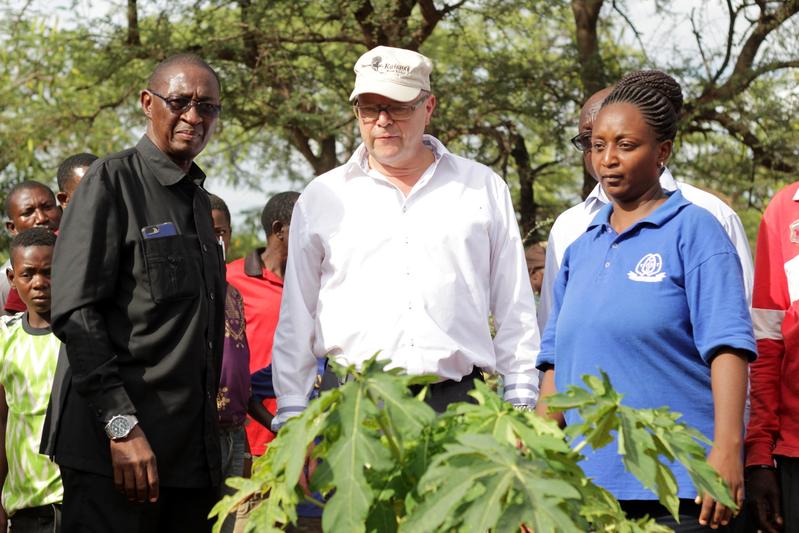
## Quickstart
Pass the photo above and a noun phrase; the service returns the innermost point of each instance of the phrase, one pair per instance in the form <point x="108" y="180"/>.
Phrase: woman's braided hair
<point x="656" y="94"/>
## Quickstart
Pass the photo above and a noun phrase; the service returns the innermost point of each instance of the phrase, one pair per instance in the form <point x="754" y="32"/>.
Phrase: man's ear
<point x="146" y="101"/>
<point x="61" y="196"/>
<point x="277" y="229"/>
<point x="11" y="228"/>
<point x="10" y="276"/>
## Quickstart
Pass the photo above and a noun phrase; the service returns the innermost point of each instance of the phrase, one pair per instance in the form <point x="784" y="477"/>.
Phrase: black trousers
<point x="440" y="395"/>
<point x="788" y="469"/>
<point x="93" y="505"/>
<point x="689" y="515"/>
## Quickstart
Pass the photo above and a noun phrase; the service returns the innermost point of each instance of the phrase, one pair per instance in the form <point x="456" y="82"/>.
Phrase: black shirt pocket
<point x="172" y="267"/>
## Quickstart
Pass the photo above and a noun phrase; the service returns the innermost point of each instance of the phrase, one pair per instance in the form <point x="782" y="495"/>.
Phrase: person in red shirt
<point x="772" y="436"/>
<point x="259" y="278"/>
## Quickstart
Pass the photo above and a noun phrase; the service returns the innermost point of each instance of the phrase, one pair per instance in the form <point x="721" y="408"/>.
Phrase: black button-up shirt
<point x="141" y="314"/>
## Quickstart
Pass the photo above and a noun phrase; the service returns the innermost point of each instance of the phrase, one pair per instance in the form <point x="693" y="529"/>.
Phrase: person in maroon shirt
<point x="234" y="399"/>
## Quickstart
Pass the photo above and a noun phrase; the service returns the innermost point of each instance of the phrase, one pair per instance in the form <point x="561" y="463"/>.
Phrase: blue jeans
<point x="233" y="443"/>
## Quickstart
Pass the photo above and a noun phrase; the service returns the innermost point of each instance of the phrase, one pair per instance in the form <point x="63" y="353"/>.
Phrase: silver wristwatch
<point x="120" y="426"/>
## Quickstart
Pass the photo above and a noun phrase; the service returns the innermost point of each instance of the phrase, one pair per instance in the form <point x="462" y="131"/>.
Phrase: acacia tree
<point x="733" y="94"/>
<point x="509" y="76"/>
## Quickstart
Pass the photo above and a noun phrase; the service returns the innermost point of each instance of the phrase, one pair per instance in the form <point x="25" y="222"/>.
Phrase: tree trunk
<point x="592" y="68"/>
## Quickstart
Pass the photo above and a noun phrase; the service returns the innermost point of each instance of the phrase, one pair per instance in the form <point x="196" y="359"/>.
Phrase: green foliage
<point x="391" y="464"/>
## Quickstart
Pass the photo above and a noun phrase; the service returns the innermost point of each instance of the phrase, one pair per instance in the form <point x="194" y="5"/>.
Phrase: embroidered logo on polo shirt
<point x="648" y="269"/>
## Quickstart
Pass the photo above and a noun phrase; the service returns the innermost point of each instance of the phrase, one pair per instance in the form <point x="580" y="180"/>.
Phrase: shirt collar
<point x="358" y="163"/>
<point x="796" y="196"/>
<point x="165" y="170"/>
<point x="667" y="182"/>
<point x="252" y="263"/>
<point x="657" y="218"/>
<point x="254" y="268"/>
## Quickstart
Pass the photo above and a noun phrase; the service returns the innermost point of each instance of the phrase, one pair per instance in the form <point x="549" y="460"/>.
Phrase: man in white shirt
<point x="406" y="249"/>
<point x="574" y="221"/>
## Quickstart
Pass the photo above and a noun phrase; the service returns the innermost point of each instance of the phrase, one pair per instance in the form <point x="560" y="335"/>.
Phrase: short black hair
<point x="278" y="208"/>
<point x="26" y="185"/>
<point x="656" y="94"/>
<point x="218" y="204"/>
<point x="66" y="170"/>
<point x="37" y="236"/>
<point x="180" y="59"/>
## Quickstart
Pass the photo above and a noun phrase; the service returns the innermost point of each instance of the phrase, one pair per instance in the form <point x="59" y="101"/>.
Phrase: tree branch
<point x="133" y="24"/>
<point x="730" y="36"/>
<point x="637" y="33"/>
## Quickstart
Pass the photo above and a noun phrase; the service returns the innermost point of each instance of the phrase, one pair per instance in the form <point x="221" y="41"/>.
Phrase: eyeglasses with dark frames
<point x="181" y="104"/>
<point x="582" y="141"/>
<point x="370" y="113"/>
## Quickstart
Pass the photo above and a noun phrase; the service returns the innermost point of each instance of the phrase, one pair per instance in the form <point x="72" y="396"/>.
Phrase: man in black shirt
<point x="138" y="299"/>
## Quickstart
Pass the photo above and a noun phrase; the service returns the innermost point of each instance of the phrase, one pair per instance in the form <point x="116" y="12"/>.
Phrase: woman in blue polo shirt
<point x="653" y="295"/>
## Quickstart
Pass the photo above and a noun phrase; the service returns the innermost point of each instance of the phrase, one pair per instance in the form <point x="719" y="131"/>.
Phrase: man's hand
<point x="763" y="498"/>
<point x="135" y="471"/>
<point x="728" y="465"/>
<point x="308" y="469"/>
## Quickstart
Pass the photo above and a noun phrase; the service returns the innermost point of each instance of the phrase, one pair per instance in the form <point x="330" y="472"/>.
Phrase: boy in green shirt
<point x="31" y="485"/>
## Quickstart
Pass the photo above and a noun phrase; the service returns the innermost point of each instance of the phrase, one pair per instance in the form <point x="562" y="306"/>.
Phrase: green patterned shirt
<point x="27" y="364"/>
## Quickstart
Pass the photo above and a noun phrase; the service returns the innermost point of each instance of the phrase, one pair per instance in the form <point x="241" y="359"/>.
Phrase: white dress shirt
<point x="574" y="221"/>
<point x="414" y="278"/>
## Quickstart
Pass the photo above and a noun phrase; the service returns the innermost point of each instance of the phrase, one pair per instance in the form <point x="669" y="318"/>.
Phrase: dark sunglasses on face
<point x="582" y="141"/>
<point x="181" y="104"/>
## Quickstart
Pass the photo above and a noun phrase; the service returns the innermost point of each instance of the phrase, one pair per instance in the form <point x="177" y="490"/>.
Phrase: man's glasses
<point x="181" y="104"/>
<point x="369" y="113"/>
<point x="582" y="141"/>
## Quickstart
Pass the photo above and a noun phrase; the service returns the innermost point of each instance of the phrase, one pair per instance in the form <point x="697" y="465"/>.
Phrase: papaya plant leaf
<point x="357" y="448"/>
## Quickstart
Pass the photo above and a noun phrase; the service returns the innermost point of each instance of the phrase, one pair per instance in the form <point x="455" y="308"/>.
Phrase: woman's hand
<point x="727" y="462"/>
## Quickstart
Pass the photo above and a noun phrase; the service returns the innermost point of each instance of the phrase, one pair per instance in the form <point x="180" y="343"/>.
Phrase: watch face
<point x="119" y="427"/>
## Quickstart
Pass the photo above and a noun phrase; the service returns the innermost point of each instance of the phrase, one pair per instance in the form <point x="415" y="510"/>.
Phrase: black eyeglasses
<point x="582" y="141"/>
<point x="181" y="104"/>
<point x="369" y="113"/>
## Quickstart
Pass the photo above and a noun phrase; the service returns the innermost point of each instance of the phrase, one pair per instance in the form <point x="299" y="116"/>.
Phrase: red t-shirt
<point x="262" y="291"/>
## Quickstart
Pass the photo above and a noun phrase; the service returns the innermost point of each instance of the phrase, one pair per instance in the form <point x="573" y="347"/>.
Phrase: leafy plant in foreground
<point x="392" y="464"/>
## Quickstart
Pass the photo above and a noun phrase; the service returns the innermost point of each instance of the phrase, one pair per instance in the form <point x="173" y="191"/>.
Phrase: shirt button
<point x="615" y="245"/>
<point x="607" y="264"/>
<point x="211" y="296"/>
<point x="210" y="345"/>
<point x="205" y="248"/>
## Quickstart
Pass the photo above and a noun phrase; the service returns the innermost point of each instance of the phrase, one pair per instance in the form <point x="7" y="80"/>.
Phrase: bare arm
<point x="728" y="374"/>
<point x="548" y="389"/>
<point x="258" y="412"/>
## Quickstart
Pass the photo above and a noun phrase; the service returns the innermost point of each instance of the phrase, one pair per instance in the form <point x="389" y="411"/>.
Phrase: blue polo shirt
<point x="650" y="306"/>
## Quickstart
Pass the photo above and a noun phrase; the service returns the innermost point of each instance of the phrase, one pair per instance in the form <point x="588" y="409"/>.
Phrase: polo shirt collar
<point x="667" y="181"/>
<point x="252" y="263"/>
<point x="358" y="163"/>
<point x="165" y="170"/>
<point x="658" y="217"/>
<point x="254" y="268"/>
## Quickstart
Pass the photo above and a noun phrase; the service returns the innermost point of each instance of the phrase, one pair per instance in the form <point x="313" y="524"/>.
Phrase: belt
<point x="43" y="511"/>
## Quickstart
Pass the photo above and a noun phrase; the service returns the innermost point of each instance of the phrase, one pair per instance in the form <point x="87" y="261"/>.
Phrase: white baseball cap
<point x="395" y="73"/>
